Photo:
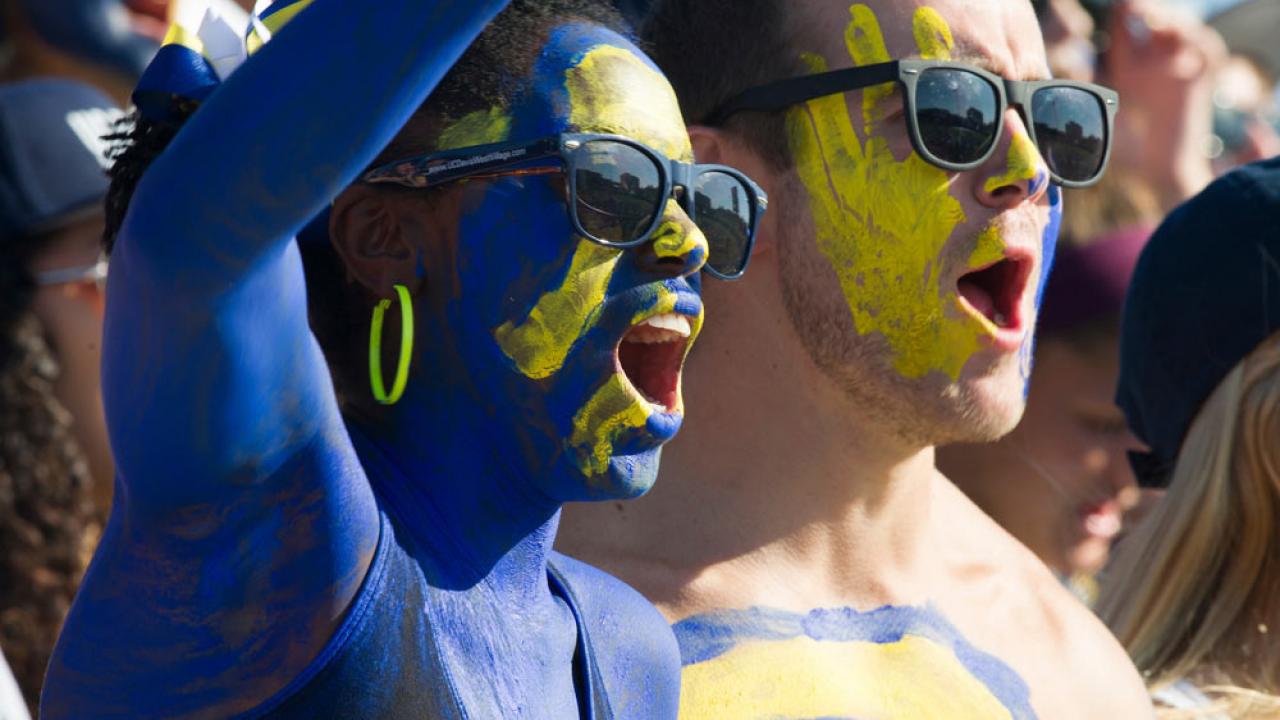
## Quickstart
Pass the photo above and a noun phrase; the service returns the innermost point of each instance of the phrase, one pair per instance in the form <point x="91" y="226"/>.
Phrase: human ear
<point x="716" y="146"/>
<point x="382" y="237"/>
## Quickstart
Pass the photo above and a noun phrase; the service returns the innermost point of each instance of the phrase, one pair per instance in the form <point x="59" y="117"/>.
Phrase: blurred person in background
<point x="1194" y="592"/>
<point x="1246" y="119"/>
<point x="55" y="465"/>
<point x="1164" y="62"/>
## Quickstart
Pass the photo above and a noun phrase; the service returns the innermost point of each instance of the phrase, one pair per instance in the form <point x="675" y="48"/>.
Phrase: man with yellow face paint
<point x="813" y="561"/>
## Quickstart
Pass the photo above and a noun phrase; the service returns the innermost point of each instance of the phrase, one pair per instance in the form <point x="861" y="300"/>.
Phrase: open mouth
<point x="650" y="356"/>
<point x="995" y="291"/>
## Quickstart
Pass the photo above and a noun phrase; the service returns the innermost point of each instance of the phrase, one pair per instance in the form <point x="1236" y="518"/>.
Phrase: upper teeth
<point x="678" y="324"/>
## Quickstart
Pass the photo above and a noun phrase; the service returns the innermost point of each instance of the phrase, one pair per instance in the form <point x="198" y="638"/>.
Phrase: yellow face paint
<point x="1024" y="164"/>
<point x="481" y="127"/>
<point x="672" y="240"/>
<point x="539" y="344"/>
<point x="610" y="413"/>
<point x="615" y="408"/>
<point x="933" y="34"/>
<point x="883" y="224"/>
<point x="912" y="679"/>
<point x="647" y="111"/>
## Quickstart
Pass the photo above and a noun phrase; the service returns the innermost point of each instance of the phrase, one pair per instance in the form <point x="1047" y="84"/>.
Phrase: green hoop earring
<point x="406" y="348"/>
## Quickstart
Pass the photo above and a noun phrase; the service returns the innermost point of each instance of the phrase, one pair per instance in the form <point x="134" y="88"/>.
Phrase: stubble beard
<point x="916" y="412"/>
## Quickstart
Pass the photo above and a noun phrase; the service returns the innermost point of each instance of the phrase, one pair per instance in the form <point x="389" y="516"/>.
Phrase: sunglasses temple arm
<point x="793" y="91"/>
<point x="483" y="160"/>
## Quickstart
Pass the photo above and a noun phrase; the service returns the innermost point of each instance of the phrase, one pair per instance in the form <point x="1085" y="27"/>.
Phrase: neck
<point x="474" y="514"/>
<point x="777" y="441"/>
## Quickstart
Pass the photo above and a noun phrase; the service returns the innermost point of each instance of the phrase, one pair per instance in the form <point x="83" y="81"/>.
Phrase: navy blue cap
<point x="52" y="155"/>
<point x="1205" y="294"/>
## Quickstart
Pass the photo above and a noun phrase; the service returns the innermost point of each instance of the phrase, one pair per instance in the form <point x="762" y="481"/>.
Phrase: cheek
<point x="883" y="225"/>
<point x="539" y="341"/>
<point x="513" y="246"/>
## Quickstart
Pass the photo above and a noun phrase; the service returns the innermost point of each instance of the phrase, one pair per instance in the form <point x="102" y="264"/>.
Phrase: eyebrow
<point x="972" y="56"/>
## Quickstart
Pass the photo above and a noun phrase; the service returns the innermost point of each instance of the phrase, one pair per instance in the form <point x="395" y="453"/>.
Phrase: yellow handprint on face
<point x="883" y="224"/>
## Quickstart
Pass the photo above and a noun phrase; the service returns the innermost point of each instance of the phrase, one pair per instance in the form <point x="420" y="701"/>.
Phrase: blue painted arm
<point x="243" y="524"/>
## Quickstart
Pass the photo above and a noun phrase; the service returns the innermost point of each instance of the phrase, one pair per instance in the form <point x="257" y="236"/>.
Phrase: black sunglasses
<point x="617" y="189"/>
<point x="955" y="112"/>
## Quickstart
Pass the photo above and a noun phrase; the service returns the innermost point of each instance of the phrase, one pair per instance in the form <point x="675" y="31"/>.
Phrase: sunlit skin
<point x="1060" y="482"/>
<point x="413" y="541"/>
<point x="839" y="574"/>
<point x="898" y="233"/>
<point x="71" y="314"/>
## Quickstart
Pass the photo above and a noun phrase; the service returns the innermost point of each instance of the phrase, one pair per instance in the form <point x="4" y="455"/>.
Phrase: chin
<point x="989" y="402"/>
<point x="1089" y="556"/>
<point x="627" y="477"/>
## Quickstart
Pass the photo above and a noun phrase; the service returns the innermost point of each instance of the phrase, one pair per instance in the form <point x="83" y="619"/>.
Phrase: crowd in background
<point x="1198" y="98"/>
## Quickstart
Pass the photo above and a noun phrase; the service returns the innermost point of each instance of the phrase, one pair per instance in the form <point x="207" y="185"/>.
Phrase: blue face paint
<point x="1048" y="248"/>
<point x="763" y="662"/>
<point x="283" y="558"/>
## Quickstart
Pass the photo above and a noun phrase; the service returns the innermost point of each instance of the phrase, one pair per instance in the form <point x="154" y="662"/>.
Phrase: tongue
<point x="978" y="297"/>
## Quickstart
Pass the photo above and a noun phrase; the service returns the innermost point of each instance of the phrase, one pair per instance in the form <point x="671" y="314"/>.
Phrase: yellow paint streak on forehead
<point x="606" y="417"/>
<point x="539" y="344"/>
<point x="933" y="34"/>
<point x="481" y="127"/>
<point x="912" y="679"/>
<point x="613" y="91"/>
<point x="1023" y="164"/>
<point x="884" y="225"/>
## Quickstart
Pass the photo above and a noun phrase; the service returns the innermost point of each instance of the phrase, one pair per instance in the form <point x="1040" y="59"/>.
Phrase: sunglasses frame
<point x="498" y="159"/>
<point x="782" y="94"/>
<point x="95" y="273"/>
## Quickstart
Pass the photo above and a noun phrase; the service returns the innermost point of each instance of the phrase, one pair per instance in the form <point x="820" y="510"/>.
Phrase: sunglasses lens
<point x="619" y="191"/>
<point x="956" y="114"/>
<point x="724" y="212"/>
<point x="1071" y="130"/>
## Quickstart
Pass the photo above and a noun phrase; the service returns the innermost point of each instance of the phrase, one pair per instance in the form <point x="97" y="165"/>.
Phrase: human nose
<point x="1015" y="173"/>
<point x="677" y="247"/>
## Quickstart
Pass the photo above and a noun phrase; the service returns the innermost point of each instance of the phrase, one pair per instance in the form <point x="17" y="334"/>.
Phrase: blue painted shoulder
<point x="634" y="646"/>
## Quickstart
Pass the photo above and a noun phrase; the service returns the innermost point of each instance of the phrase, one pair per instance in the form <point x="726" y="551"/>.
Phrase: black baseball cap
<point x="52" y="153"/>
<point x="1205" y="294"/>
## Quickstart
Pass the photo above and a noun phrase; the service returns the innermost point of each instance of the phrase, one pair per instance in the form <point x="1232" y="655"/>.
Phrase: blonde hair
<point x="1191" y="592"/>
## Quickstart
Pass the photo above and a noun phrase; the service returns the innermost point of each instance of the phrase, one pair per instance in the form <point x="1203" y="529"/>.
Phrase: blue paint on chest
<point x="703" y="638"/>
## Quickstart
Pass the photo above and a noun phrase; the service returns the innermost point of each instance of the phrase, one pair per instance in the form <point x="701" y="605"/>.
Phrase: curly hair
<point x="48" y="522"/>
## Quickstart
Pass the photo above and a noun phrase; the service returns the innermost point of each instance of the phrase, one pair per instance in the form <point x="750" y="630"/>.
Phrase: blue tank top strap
<point x="593" y="703"/>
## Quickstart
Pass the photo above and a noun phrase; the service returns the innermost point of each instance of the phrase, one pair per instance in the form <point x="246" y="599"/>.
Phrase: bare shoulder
<point x="634" y="646"/>
<point x="1022" y="612"/>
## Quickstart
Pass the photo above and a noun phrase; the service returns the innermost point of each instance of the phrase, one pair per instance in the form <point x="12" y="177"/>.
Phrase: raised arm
<point x="243" y="524"/>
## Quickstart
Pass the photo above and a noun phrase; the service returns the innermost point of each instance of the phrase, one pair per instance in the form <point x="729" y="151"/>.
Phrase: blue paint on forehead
<point x="546" y="108"/>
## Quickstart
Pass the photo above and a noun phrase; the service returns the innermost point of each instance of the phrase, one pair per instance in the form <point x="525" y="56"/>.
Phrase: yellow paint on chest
<point x="912" y="679"/>
<point x="883" y="224"/>
<point x="539" y="344"/>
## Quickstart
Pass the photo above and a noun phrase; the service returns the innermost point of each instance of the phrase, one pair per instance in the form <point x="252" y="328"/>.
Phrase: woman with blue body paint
<point x="282" y="544"/>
